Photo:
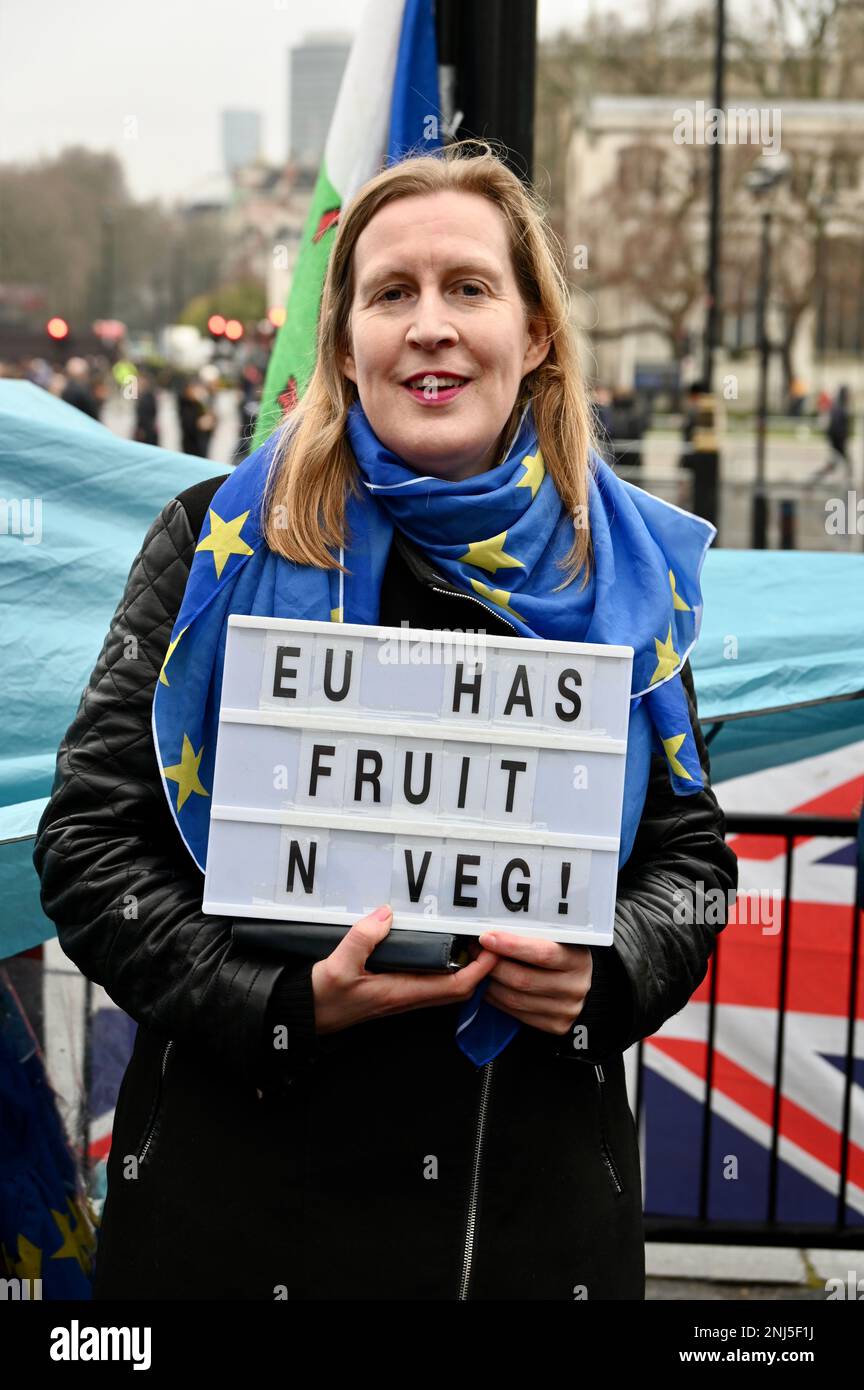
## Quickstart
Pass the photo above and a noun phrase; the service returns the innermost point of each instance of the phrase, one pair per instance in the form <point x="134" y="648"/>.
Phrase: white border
<point x="426" y="829"/>
<point x="439" y="730"/>
<point x="374" y="632"/>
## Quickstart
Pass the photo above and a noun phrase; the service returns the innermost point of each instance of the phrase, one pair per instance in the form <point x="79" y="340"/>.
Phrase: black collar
<point x="419" y="563"/>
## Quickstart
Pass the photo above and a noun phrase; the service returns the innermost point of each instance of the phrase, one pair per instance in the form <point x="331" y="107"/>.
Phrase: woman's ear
<point x="347" y="366"/>
<point x="539" y="343"/>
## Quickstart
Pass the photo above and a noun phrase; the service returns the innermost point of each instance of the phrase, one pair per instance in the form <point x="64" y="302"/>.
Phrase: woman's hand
<point x="542" y="983"/>
<point x="346" y="993"/>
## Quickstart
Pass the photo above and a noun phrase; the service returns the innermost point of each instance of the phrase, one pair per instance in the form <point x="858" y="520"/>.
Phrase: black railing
<point x="770" y="1231"/>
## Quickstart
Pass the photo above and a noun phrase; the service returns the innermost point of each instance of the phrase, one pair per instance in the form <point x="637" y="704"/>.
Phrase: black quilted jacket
<point x="377" y="1162"/>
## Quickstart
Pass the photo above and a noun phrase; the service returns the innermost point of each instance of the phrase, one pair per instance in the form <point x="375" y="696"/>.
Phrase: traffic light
<point x="216" y="326"/>
<point x="233" y="330"/>
<point x="57" y="328"/>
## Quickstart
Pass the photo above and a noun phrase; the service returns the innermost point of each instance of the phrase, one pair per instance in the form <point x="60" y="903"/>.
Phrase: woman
<point x="382" y="1154"/>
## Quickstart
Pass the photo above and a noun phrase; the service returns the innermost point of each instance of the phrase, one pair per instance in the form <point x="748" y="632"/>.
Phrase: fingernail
<point x="490" y="938"/>
<point x="383" y="913"/>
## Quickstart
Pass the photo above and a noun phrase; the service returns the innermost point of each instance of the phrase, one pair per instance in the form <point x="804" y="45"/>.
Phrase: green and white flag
<point x="387" y="107"/>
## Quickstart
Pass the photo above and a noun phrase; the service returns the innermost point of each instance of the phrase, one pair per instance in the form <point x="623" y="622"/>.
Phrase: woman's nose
<point x="431" y="323"/>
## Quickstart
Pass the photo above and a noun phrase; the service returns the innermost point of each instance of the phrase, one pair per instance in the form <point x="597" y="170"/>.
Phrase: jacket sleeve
<point x="662" y="949"/>
<point x="116" y="879"/>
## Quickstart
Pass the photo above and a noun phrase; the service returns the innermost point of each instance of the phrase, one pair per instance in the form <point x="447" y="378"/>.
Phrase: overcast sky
<point x="76" y="71"/>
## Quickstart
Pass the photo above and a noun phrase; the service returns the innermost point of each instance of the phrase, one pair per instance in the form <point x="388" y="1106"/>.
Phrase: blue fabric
<point x="415" y="85"/>
<point x="644" y="592"/>
<point x="45" y="1227"/>
<point x="78" y="501"/>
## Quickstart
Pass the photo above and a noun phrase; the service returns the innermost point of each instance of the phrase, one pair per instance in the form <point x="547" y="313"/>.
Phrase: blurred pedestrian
<point x="39" y="372"/>
<point x="251" y="381"/>
<point x="797" y="397"/>
<point x="207" y="419"/>
<point x="626" y="428"/>
<point x="195" y="438"/>
<point x="689" y="423"/>
<point x="837" y="433"/>
<point x="146" y="411"/>
<point x="78" y="391"/>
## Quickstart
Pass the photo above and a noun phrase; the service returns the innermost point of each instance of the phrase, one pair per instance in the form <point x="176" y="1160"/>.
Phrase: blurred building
<point x="315" y="69"/>
<point x="264" y="225"/>
<point x="241" y="139"/>
<point x="636" y="214"/>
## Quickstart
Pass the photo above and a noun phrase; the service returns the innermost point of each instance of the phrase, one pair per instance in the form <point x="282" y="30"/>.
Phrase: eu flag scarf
<point x="497" y="536"/>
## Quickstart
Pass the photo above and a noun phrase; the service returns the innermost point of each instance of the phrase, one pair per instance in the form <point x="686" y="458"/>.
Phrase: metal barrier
<point x="770" y="1231"/>
<point x="803" y="512"/>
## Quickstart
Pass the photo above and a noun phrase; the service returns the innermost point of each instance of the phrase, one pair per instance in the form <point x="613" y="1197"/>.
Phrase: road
<point x="119" y="416"/>
<point x="790" y="462"/>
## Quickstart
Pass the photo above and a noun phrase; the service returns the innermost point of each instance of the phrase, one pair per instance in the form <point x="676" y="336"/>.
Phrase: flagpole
<point x="488" y="49"/>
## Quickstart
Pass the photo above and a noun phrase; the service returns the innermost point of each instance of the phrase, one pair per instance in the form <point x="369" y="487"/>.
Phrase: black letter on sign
<point x="520" y="682"/>
<point x="315" y="771"/>
<point x="561" y="712"/>
<point x="460" y="686"/>
<point x="464" y="879"/>
<point x="520" y="903"/>
<point x="362" y="776"/>
<point x="511" y="780"/>
<point x="416" y="797"/>
<point x="280" y="672"/>
<point x="328" y="676"/>
<point x="415" y="884"/>
<point x="463" y="781"/>
<point x="307" y="871"/>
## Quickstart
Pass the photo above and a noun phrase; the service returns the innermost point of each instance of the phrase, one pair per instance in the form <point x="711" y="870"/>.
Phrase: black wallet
<point x="414" y="952"/>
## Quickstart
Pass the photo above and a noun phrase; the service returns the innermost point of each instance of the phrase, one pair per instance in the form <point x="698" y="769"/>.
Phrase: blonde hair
<point x="313" y="468"/>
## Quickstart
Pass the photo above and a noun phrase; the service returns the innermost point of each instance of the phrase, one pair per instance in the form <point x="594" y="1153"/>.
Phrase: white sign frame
<point x="252" y="724"/>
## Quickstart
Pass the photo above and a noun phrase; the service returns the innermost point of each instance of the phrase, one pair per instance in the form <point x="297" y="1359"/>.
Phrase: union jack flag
<point x="748" y="964"/>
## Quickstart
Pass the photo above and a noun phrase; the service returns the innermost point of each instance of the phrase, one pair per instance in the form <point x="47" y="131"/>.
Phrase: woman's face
<point x="435" y="295"/>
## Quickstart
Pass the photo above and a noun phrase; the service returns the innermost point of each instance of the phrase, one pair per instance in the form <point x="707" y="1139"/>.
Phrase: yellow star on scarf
<point x="29" y="1265"/>
<point x="185" y="773"/>
<point x="77" y="1241"/>
<point x="677" y="600"/>
<point x="224" y="540"/>
<point x="671" y="746"/>
<point x="490" y="555"/>
<point x="171" y="645"/>
<point x="534" y="472"/>
<point x="667" y="657"/>
<point x="499" y="596"/>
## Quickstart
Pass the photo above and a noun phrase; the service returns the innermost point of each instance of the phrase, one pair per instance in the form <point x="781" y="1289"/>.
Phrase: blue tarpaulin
<point x="75" y="504"/>
<point x="779" y="666"/>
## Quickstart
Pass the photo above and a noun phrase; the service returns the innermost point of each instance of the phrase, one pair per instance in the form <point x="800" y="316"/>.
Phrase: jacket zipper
<point x="605" y="1151"/>
<point x="471" y="1222"/>
<point x="455" y="593"/>
<point x="604" y="1147"/>
<point x="148" y="1141"/>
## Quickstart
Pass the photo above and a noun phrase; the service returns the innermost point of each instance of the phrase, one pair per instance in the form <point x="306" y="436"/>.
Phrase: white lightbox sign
<point x="470" y="781"/>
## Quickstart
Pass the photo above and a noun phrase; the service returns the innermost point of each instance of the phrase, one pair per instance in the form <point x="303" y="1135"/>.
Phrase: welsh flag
<point x="387" y="107"/>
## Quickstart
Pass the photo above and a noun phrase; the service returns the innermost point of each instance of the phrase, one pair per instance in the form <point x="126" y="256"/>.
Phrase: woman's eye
<point x="466" y="285"/>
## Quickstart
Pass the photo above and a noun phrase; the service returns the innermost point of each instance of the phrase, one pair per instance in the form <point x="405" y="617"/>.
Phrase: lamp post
<point x="712" y="285"/>
<point x="766" y="174"/>
<point x="487" y="54"/>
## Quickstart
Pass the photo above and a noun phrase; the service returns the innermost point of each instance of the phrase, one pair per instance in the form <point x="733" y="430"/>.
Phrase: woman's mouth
<point x="435" y="390"/>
